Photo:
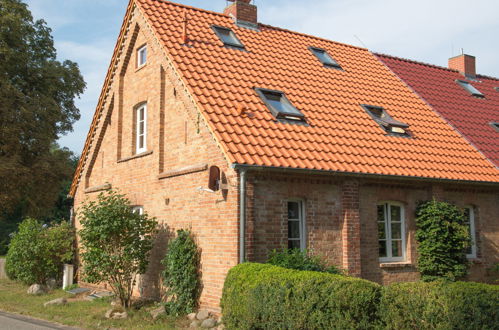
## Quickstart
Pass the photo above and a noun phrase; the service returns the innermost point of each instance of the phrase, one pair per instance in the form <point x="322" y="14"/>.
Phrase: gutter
<point x="242" y="215"/>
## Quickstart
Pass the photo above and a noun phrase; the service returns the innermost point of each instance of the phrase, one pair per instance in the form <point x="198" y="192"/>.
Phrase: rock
<point x="155" y="313"/>
<point x="37" y="289"/>
<point x="203" y="315"/>
<point x="221" y="327"/>
<point x="116" y="314"/>
<point x="195" y="324"/>
<point x="208" y="323"/>
<point x="58" y="302"/>
<point x="51" y="284"/>
<point x="191" y="316"/>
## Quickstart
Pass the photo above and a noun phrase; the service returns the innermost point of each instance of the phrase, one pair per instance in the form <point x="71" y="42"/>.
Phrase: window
<point x="391" y="232"/>
<point x="138" y="209"/>
<point x="141" y="129"/>
<point x="495" y="125"/>
<point x="228" y="37"/>
<point x="279" y="105"/>
<point x="496" y="88"/>
<point x="325" y="58"/>
<point x="296" y="225"/>
<point x="389" y="124"/>
<point x="469" y="220"/>
<point x="141" y="56"/>
<point x="470" y="88"/>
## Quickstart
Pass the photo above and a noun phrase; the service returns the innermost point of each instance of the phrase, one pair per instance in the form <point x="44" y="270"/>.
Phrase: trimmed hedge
<point x="440" y="305"/>
<point x="262" y="296"/>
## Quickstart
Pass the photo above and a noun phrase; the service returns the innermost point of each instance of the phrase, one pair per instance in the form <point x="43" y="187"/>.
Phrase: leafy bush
<point x="181" y="275"/>
<point x="38" y="252"/>
<point x="443" y="239"/>
<point x="440" y="305"/>
<point x="115" y="243"/>
<point x="300" y="260"/>
<point x="260" y="296"/>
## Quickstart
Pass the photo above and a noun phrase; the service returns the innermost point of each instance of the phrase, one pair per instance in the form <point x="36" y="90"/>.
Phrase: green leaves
<point x="115" y="243"/>
<point x="443" y="238"/>
<point x="181" y="274"/>
<point x="300" y="260"/>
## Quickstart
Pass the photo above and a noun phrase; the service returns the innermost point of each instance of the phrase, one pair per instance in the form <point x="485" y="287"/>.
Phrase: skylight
<point x="324" y="57"/>
<point x="497" y="88"/>
<point x="389" y="124"/>
<point x="495" y="125"/>
<point x="227" y="36"/>
<point x="279" y="105"/>
<point x="470" y="88"/>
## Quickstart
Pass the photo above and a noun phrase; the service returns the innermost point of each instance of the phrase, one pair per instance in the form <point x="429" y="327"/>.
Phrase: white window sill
<point x="397" y="264"/>
<point x="141" y="67"/>
<point x="142" y="154"/>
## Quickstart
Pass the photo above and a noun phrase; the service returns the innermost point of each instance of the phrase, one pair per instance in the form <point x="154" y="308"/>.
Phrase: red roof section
<point x="340" y="135"/>
<point x="472" y="116"/>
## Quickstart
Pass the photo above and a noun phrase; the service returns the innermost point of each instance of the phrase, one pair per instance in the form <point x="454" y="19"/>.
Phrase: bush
<point x="181" y="274"/>
<point x="443" y="239"/>
<point x="440" y="305"/>
<point x="38" y="252"/>
<point x="115" y="243"/>
<point x="300" y="260"/>
<point x="259" y="296"/>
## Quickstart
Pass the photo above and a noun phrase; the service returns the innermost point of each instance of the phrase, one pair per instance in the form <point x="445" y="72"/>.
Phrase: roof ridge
<point x="192" y="7"/>
<point x="428" y="64"/>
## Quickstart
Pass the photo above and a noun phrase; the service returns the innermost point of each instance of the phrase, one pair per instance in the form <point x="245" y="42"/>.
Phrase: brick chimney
<point x="242" y="10"/>
<point x="465" y="64"/>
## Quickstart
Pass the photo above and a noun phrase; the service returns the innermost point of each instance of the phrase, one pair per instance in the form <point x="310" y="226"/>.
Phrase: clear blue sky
<point x="431" y="31"/>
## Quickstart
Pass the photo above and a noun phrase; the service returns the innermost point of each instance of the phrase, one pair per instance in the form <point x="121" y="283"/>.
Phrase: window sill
<point x="140" y="67"/>
<point x="475" y="261"/>
<point x="402" y="264"/>
<point x="142" y="154"/>
<point x="93" y="189"/>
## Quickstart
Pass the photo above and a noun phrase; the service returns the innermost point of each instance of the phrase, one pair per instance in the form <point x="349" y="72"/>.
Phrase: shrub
<point x="115" y="243"/>
<point x="440" y="305"/>
<point x="181" y="275"/>
<point x="443" y="239"/>
<point x="300" y="260"/>
<point x="38" y="252"/>
<point x="260" y="296"/>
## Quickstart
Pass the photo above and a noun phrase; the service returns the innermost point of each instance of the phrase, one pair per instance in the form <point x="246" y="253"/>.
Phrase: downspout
<point x="242" y="215"/>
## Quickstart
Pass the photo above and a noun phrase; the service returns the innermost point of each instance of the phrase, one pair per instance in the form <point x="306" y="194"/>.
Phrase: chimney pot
<point x="242" y="10"/>
<point x="465" y="64"/>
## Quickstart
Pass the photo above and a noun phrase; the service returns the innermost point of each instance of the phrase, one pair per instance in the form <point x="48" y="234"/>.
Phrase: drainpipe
<point x="242" y="215"/>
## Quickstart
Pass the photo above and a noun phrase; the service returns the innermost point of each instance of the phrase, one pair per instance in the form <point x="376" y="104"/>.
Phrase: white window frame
<point x="138" y="209"/>
<point x="302" y="222"/>
<point x="388" y="230"/>
<point x="471" y="223"/>
<point x="139" y="57"/>
<point x="138" y="133"/>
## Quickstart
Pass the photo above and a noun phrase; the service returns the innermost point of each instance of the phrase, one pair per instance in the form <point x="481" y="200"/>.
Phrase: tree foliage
<point x="181" y="274"/>
<point x="37" y="95"/>
<point x="115" y="243"/>
<point x="37" y="252"/>
<point x="300" y="260"/>
<point x="443" y="239"/>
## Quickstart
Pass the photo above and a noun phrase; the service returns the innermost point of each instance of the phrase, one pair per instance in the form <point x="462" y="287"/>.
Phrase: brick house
<point x="256" y="138"/>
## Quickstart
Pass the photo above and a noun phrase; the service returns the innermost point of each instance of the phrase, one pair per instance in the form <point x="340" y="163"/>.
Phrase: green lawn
<point x="82" y="314"/>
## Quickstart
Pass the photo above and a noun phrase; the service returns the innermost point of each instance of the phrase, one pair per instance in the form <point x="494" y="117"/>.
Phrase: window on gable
<point x="391" y="232"/>
<point x="296" y="225"/>
<point x="141" y="129"/>
<point x="325" y="58"/>
<point x="495" y="125"/>
<point x="389" y="124"/>
<point x="228" y="37"/>
<point x="279" y="105"/>
<point x="470" y="88"/>
<point x="141" y="56"/>
<point x="469" y="221"/>
<point x="138" y="209"/>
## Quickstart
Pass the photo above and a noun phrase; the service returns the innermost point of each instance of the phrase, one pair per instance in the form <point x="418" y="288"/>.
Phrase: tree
<point x="115" y="243"/>
<point x="443" y="239"/>
<point x="37" y="95"/>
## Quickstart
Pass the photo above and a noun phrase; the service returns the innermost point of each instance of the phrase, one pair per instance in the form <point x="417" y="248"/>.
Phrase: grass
<point x="82" y="314"/>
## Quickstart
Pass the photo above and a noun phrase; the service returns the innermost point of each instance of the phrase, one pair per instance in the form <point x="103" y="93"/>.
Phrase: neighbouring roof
<point x="472" y="116"/>
<point x="339" y="135"/>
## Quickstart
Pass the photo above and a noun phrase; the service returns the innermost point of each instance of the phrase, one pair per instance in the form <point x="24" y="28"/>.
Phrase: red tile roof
<point x="468" y="114"/>
<point x="340" y="135"/>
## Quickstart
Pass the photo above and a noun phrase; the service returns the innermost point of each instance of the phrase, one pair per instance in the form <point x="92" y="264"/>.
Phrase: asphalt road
<point x="17" y="322"/>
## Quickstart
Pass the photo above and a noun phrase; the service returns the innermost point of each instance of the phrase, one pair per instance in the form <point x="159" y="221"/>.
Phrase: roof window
<point x="470" y="88"/>
<point x="496" y="88"/>
<point x="279" y="105"/>
<point x="389" y="124"/>
<point x="495" y="125"/>
<point x="324" y="57"/>
<point x="227" y="36"/>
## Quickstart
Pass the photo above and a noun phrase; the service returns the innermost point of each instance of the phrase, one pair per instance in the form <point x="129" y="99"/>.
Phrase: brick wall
<point x="242" y="10"/>
<point x="466" y="64"/>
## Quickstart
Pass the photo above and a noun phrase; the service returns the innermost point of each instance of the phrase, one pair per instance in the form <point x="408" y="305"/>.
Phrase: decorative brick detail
<point x="350" y="233"/>
<point x="242" y="10"/>
<point x="465" y="64"/>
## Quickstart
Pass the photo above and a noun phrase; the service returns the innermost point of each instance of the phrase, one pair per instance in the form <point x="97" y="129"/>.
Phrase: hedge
<point x="440" y="305"/>
<point x="262" y="296"/>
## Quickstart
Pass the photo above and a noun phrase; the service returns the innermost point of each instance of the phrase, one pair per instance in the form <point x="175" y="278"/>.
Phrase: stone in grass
<point x="116" y="314"/>
<point x="37" y="289"/>
<point x="191" y="316"/>
<point x="208" y="323"/>
<point x="195" y="324"/>
<point x="56" y="302"/>
<point x="157" y="312"/>
<point x="203" y="315"/>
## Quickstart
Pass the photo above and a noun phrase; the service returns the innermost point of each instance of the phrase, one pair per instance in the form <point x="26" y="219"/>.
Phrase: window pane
<point x="381" y="213"/>
<point x="395" y="213"/>
<point x="381" y="230"/>
<point x="397" y="248"/>
<point x="293" y="210"/>
<point x="141" y="114"/>
<point x="141" y="141"/>
<point x="293" y="229"/>
<point x="396" y="230"/>
<point x="143" y="56"/>
<point x="382" y="249"/>
<point x="293" y="244"/>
